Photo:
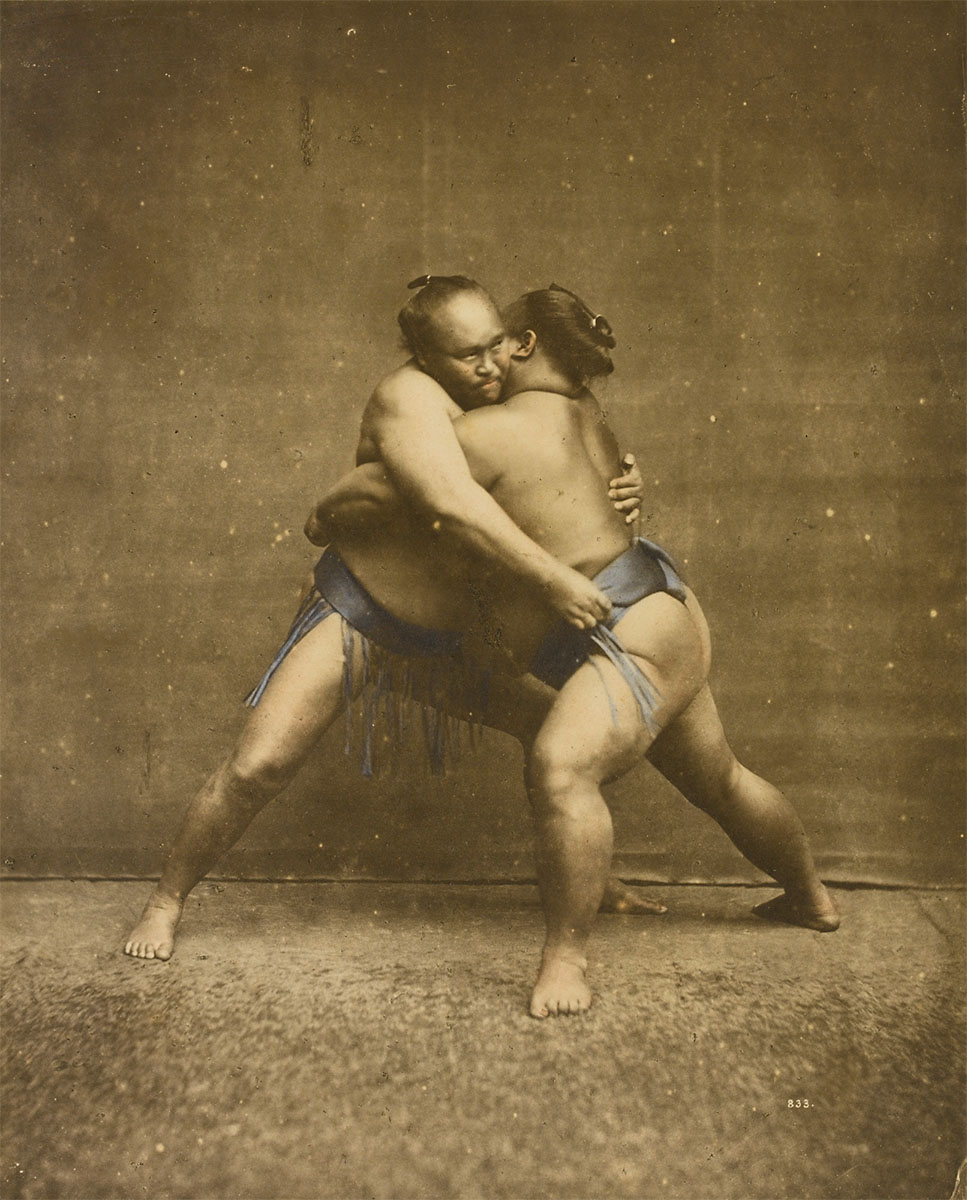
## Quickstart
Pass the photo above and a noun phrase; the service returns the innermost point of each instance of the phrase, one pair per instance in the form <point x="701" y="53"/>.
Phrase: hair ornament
<point x="601" y="329"/>
<point x="421" y="282"/>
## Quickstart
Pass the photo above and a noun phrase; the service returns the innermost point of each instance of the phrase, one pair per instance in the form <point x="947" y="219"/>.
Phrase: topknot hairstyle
<point x="576" y="338"/>
<point x="416" y="316"/>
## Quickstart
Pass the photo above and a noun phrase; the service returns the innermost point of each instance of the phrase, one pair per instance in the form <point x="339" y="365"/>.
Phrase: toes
<point x="627" y="904"/>
<point x="572" y="1006"/>
<point x="162" y="950"/>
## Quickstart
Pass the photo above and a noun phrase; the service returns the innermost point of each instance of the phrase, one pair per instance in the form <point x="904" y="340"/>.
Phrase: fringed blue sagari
<point x="396" y="665"/>
<point x="443" y="685"/>
<point x="446" y="690"/>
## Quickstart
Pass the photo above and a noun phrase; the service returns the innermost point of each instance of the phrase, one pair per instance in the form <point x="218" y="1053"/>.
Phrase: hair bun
<point x="421" y="282"/>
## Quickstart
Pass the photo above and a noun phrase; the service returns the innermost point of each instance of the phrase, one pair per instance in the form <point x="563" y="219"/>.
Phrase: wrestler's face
<point x="469" y="352"/>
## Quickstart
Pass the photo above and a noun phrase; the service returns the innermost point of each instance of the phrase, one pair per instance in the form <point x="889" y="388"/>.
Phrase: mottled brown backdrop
<point x="210" y="213"/>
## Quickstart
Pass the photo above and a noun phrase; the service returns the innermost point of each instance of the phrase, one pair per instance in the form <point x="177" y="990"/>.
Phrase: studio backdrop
<point x="210" y="213"/>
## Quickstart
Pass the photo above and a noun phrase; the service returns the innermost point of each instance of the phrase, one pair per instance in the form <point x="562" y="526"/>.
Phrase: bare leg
<point x="300" y="703"/>
<point x="581" y="744"/>
<point x="518" y="705"/>
<point x="574" y="848"/>
<point x="693" y="754"/>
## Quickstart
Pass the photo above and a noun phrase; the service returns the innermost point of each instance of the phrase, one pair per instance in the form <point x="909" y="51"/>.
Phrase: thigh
<point x="303" y="698"/>
<point x="595" y="726"/>
<point x="669" y="641"/>
<point x="518" y="705"/>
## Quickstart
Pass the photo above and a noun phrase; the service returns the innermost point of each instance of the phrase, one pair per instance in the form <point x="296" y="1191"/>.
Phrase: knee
<point x="256" y="778"/>
<point x="556" y="784"/>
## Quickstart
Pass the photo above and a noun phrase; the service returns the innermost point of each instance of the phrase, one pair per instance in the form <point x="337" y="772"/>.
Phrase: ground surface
<point x="355" y="1040"/>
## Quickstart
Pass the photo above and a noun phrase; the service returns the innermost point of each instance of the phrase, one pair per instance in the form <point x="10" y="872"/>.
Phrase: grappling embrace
<point x="480" y="558"/>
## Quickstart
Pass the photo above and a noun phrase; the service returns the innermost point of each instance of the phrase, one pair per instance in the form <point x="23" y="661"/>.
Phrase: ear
<point x="526" y="344"/>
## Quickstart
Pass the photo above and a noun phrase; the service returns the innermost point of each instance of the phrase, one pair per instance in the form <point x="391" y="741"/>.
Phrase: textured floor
<point x="343" y="1041"/>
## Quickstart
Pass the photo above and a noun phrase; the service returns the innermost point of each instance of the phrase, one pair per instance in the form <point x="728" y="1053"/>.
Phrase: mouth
<point x="482" y="394"/>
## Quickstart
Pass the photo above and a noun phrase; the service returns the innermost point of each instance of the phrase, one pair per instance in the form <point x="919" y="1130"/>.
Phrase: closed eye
<point x="476" y="352"/>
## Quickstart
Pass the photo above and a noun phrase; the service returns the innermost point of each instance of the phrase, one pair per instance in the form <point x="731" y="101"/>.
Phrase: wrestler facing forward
<point x="456" y="333"/>
<point x="543" y="455"/>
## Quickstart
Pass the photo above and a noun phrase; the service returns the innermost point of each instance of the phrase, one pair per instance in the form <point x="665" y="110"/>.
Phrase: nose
<point x="487" y="367"/>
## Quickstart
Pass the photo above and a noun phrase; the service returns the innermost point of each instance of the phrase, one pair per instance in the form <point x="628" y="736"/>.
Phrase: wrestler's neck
<point x="537" y="373"/>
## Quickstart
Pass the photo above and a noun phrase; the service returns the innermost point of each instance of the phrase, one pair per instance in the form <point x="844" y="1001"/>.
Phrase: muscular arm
<point x="363" y="498"/>
<point x="366" y="496"/>
<point x="408" y="428"/>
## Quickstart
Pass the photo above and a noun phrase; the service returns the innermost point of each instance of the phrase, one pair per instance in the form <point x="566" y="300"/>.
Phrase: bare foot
<point x="154" y="934"/>
<point x="820" y="914"/>
<point x="561" y="989"/>
<point x="620" y="898"/>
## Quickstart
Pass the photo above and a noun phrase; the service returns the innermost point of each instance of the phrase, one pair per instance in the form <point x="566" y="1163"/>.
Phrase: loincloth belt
<point x="397" y="666"/>
<point x="642" y="570"/>
<point x="400" y="662"/>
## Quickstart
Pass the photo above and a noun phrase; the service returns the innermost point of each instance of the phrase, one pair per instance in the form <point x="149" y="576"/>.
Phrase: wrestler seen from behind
<point x="636" y="684"/>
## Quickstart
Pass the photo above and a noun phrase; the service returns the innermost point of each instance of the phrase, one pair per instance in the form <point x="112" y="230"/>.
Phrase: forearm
<point x="475" y="521"/>
<point x="412" y="434"/>
<point x="359" y="501"/>
<point x="423" y="459"/>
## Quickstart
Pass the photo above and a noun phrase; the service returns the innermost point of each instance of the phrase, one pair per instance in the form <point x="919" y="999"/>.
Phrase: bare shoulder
<point x="406" y="390"/>
<point x="579" y="411"/>
<point x="490" y="419"/>
<point x="406" y="404"/>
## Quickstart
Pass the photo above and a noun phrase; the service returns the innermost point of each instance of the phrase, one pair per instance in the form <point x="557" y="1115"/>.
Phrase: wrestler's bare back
<point x="546" y="460"/>
<point x="435" y="530"/>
